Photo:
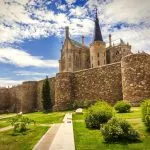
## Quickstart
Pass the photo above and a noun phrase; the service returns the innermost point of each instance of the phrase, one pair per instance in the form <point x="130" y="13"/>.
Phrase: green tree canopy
<point x="46" y="96"/>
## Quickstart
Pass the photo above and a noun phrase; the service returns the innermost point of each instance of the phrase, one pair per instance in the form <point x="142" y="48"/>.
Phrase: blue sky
<point x="32" y="32"/>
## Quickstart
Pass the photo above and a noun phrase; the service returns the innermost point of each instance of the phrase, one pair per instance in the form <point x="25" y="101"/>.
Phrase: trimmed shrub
<point x="98" y="114"/>
<point x="119" y="130"/>
<point x="122" y="107"/>
<point x="146" y="113"/>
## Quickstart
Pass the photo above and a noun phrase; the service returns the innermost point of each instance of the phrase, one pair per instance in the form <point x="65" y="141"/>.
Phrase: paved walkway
<point x="47" y="139"/>
<point x="64" y="139"/>
<point x="58" y="137"/>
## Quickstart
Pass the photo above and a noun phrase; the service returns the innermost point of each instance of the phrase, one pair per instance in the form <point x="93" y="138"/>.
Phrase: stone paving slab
<point x="64" y="139"/>
<point x="47" y="139"/>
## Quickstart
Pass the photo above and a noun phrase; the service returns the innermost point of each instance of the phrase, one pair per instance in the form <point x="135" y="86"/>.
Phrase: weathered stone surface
<point x="98" y="83"/>
<point x="4" y="99"/>
<point x="63" y="91"/>
<point x="136" y="78"/>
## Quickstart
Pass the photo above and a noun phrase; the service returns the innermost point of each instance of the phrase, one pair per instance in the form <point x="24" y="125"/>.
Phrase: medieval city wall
<point x="128" y="80"/>
<point x="25" y="98"/>
<point x="136" y="78"/>
<point x="91" y="84"/>
<point x="4" y="99"/>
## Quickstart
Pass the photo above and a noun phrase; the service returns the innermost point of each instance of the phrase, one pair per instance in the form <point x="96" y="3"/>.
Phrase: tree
<point x="47" y="105"/>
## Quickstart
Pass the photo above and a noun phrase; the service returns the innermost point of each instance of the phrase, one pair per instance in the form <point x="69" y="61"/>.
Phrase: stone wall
<point x="63" y="91"/>
<point x="136" y="78"/>
<point x="4" y="100"/>
<point x="24" y="98"/>
<point x="98" y="83"/>
<point x="128" y="80"/>
<point x="92" y="84"/>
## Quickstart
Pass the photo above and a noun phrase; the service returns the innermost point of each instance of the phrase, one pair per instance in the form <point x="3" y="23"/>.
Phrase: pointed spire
<point x="97" y="30"/>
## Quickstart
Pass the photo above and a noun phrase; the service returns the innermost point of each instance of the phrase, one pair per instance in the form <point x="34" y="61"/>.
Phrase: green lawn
<point x="4" y="124"/>
<point x="86" y="139"/>
<point x="43" y="118"/>
<point x="27" y="140"/>
<point x="46" y="118"/>
<point x="21" y="141"/>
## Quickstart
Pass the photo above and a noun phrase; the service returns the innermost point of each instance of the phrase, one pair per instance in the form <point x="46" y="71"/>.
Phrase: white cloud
<point x="78" y="12"/>
<point x="21" y="20"/>
<point x="5" y="82"/>
<point x="62" y="7"/>
<point x="70" y="1"/>
<point x="133" y="11"/>
<point x="23" y="59"/>
<point x="30" y="73"/>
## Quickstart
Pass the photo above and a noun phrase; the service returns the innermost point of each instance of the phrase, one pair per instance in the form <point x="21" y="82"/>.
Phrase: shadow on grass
<point x="122" y="142"/>
<point x="18" y="133"/>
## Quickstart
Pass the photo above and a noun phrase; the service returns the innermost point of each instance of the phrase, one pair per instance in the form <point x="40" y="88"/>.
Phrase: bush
<point x="20" y="123"/>
<point x="146" y="113"/>
<point x="82" y="103"/>
<point x="119" y="130"/>
<point x="122" y="107"/>
<point x="98" y="114"/>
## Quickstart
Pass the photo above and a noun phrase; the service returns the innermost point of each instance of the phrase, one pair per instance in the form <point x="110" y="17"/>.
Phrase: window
<point x="98" y="63"/>
<point x="97" y="54"/>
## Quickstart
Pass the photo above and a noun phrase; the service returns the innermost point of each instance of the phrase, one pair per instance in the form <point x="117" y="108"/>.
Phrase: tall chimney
<point x="110" y="40"/>
<point x="82" y="40"/>
<point x="67" y="32"/>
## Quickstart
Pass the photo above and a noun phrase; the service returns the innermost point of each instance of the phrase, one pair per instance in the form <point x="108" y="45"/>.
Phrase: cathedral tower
<point x="97" y="47"/>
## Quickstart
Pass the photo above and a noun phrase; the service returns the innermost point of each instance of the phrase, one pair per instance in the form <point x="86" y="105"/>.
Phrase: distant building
<point x="77" y="56"/>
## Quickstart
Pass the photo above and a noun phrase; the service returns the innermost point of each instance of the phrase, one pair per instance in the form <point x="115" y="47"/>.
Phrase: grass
<point x="86" y="139"/>
<point x="27" y="140"/>
<point x="46" y="118"/>
<point x="4" y="124"/>
<point x="43" y="118"/>
<point x="21" y="141"/>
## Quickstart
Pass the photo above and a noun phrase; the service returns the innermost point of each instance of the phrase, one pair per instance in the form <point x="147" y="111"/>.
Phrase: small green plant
<point x="20" y="123"/>
<point x="98" y="114"/>
<point x="122" y="107"/>
<point x="119" y="130"/>
<point x="146" y="113"/>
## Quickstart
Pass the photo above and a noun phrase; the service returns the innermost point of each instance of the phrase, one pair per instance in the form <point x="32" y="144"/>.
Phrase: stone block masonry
<point x="128" y="80"/>
<point x="136" y="78"/>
